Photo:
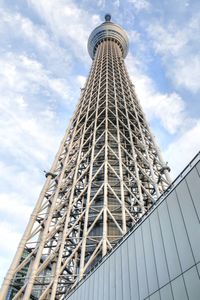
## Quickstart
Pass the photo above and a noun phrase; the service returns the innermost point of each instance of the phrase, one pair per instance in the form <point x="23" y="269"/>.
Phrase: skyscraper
<point x="107" y="173"/>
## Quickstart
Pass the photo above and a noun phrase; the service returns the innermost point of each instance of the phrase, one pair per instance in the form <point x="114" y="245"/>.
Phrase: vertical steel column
<point x="83" y="249"/>
<point x="105" y="204"/>
<point x="113" y="55"/>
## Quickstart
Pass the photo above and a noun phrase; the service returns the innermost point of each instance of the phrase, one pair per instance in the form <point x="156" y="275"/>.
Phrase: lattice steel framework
<point x="106" y="174"/>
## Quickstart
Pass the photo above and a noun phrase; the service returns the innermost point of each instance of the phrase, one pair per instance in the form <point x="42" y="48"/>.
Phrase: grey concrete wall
<point x="160" y="259"/>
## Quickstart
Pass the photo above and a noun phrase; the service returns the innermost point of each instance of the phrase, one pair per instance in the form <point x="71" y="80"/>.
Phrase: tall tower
<point x="106" y="175"/>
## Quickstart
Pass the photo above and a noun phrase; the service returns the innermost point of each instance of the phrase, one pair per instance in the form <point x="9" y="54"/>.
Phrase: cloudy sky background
<point x="43" y="65"/>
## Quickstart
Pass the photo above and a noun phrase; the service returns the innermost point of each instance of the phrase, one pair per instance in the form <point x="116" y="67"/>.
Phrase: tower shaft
<point x="106" y="175"/>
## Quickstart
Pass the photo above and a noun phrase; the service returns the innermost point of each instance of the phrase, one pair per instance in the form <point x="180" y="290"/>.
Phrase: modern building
<point x="159" y="258"/>
<point x="106" y="177"/>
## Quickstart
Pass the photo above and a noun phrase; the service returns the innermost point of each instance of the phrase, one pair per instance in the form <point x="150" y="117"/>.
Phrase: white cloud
<point x="116" y="3"/>
<point x="8" y="234"/>
<point x="69" y="23"/>
<point x="168" y="108"/>
<point x="186" y="72"/>
<point x="21" y="102"/>
<point x="28" y="117"/>
<point x="49" y="114"/>
<point x="179" y="49"/>
<point x="32" y="37"/>
<point x="134" y="36"/>
<point x="167" y="40"/>
<point x="180" y="152"/>
<point x="9" y="242"/>
<point x="18" y="179"/>
<point x="29" y="137"/>
<point x="5" y="261"/>
<point x="101" y="3"/>
<point x="32" y="89"/>
<point x="22" y="74"/>
<point x="140" y="4"/>
<point x="22" y="207"/>
<point x="81" y="80"/>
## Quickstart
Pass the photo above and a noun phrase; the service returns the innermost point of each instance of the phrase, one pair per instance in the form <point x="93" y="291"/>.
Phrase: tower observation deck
<point x="107" y="173"/>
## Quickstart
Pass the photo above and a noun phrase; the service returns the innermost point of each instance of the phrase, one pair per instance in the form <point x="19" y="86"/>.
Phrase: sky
<point x="43" y="65"/>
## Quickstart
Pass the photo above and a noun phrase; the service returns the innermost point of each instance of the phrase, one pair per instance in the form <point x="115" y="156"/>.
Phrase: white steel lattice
<point x="106" y="174"/>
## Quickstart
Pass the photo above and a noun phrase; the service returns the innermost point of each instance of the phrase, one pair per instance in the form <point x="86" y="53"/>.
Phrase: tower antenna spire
<point x="107" y="17"/>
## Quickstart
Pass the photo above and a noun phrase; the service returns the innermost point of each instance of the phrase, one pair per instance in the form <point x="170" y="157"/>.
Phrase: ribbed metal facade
<point x="160" y="258"/>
